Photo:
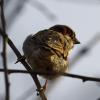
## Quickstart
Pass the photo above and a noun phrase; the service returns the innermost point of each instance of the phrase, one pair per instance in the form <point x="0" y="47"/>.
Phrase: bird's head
<point x="65" y="30"/>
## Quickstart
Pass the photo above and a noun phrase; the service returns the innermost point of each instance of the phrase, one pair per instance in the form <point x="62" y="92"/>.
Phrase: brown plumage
<point x="48" y="50"/>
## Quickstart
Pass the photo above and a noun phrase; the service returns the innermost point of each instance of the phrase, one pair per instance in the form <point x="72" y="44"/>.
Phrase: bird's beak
<point x="76" y="41"/>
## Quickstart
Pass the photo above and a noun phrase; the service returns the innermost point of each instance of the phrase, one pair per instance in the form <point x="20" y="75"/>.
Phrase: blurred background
<point x="24" y="17"/>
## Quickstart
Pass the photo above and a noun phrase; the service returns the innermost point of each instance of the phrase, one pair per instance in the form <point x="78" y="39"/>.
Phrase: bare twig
<point x="83" y="78"/>
<point x="19" y="56"/>
<point x="7" y="97"/>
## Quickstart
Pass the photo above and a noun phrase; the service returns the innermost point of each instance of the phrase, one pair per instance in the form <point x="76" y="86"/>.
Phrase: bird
<point x="48" y="50"/>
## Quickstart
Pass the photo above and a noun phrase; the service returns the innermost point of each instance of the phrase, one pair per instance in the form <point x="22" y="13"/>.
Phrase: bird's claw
<point x="42" y="89"/>
<point x="39" y="90"/>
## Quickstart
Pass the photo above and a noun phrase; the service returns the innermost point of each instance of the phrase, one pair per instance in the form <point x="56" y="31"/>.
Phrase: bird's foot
<point x="43" y="89"/>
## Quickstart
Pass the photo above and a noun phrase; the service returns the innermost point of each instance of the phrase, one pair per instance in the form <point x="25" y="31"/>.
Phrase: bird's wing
<point x="53" y="40"/>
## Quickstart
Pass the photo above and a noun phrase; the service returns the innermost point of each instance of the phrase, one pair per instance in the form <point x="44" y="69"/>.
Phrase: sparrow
<point x="48" y="50"/>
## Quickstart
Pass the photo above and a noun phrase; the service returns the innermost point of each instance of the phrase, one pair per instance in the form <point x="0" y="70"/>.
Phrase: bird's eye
<point x="73" y="34"/>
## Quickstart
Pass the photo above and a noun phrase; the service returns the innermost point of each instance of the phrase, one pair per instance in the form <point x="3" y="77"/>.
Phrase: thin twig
<point x="19" y="56"/>
<point x="83" y="78"/>
<point x="4" y="56"/>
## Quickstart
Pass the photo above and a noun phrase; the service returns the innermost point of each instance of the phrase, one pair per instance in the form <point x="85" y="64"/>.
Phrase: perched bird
<point x="48" y="50"/>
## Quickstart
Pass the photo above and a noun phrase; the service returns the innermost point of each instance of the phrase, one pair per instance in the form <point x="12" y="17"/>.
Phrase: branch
<point x="4" y="56"/>
<point x="83" y="78"/>
<point x="19" y="56"/>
